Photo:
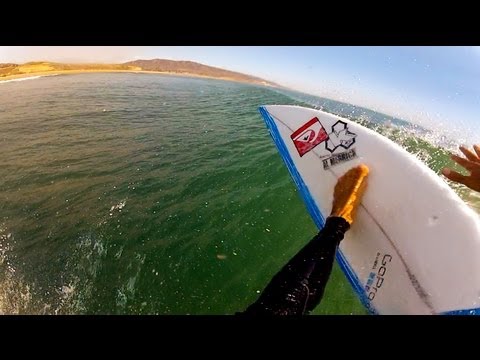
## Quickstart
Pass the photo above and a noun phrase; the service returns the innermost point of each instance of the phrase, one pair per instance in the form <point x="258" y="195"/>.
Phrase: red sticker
<point x="308" y="136"/>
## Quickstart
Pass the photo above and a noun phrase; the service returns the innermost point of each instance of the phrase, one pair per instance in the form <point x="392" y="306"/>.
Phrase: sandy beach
<point x="66" y="72"/>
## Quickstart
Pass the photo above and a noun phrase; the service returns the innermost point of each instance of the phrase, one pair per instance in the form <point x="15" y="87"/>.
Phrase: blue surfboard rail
<point x="475" y="311"/>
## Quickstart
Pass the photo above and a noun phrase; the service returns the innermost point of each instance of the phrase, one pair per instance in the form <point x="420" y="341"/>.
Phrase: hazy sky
<point x="433" y="86"/>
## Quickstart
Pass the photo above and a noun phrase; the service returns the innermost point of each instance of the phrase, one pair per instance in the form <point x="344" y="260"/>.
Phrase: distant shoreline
<point x="66" y="72"/>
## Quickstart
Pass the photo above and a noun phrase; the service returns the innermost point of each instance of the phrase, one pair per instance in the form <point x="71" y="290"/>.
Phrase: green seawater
<point x="149" y="194"/>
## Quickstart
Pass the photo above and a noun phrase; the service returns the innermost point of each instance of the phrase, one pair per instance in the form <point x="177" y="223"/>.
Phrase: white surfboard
<point x="415" y="245"/>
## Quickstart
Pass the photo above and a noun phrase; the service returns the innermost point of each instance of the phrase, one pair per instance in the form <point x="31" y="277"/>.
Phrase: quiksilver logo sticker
<point x="308" y="136"/>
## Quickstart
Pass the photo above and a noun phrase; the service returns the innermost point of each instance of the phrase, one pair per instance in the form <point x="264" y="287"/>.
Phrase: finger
<point x="467" y="164"/>
<point x="477" y="150"/>
<point x="469" y="155"/>
<point x="454" y="176"/>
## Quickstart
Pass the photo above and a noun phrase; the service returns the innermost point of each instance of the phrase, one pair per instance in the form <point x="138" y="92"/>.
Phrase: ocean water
<point x="150" y="194"/>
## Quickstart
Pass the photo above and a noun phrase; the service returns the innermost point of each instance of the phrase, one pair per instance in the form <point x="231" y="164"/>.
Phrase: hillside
<point x="190" y="67"/>
<point x="46" y="67"/>
<point x="10" y="70"/>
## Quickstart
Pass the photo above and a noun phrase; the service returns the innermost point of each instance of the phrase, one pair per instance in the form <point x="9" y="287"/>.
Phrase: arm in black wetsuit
<point x="298" y="287"/>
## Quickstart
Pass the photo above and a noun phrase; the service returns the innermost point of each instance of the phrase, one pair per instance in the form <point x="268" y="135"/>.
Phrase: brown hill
<point x="8" y="70"/>
<point x="45" y="67"/>
<point x="193" y="68"/>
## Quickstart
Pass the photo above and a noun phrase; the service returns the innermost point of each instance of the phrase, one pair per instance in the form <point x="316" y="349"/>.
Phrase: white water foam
<point x="26" y="78"/>
<point x="15" y="295"/>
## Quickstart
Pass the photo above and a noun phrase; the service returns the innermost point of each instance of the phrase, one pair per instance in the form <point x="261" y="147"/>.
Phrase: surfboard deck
<point x="414" y="247"/>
